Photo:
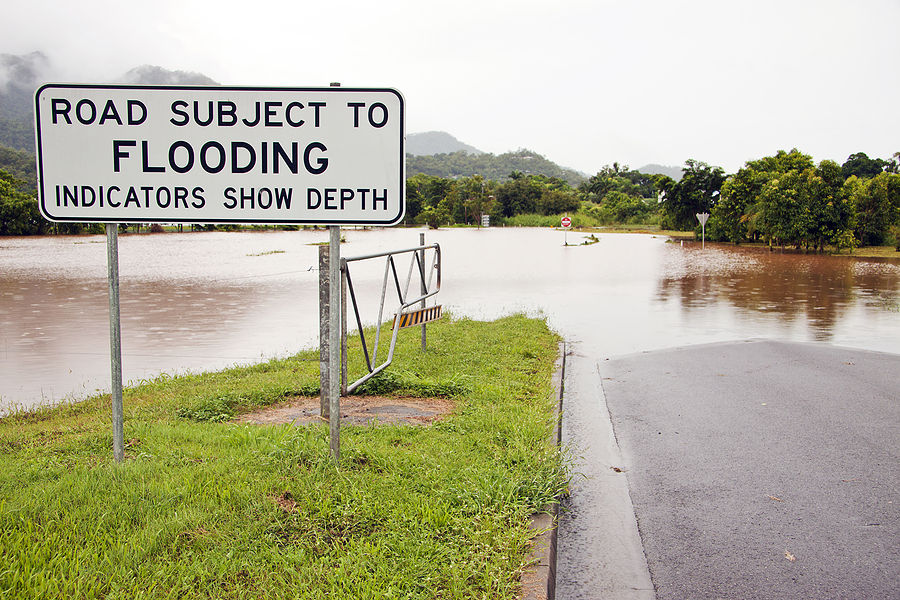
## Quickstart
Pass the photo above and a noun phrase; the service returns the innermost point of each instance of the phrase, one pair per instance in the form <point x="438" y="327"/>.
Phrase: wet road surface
<point x="756" y="469"/>
<point x="599" y="551"/>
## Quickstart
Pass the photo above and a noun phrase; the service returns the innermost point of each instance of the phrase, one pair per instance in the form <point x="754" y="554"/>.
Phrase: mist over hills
<point x="151" y="75"/>
<point x="433" y="152"/>
<point x="436" y="142"/>
<point x="653" y="169"/>
<point x="20" y="77"/>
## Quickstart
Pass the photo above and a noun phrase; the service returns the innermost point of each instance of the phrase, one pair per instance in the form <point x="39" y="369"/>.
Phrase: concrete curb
<point x="539" y="578"/>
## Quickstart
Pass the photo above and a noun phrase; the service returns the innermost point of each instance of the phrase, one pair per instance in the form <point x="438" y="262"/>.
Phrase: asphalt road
<point x="755" y="469"/>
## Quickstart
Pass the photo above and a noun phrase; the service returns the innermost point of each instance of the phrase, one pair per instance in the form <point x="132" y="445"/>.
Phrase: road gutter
<point x="539" y="578"/>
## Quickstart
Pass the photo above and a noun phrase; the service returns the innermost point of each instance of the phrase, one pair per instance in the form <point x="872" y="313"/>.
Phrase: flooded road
<point x="200" y="301"/>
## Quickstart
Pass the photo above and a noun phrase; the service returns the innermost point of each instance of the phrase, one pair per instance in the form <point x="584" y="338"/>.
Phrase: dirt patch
<point x="355" y="410"/>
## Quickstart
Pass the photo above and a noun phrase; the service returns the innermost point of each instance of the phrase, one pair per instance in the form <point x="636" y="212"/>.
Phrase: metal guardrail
<point x="427" y="285"/>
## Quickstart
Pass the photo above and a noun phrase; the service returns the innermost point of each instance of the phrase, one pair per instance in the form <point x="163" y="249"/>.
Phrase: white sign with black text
<point x="142" y="154"/>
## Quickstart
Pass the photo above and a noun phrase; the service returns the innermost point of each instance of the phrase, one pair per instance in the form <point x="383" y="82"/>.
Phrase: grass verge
<point x="889" y="252"/>
<point x="204" y="508"/>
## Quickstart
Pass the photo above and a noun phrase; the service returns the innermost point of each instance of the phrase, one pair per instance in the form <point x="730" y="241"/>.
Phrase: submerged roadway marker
<point x="702" y="217"/>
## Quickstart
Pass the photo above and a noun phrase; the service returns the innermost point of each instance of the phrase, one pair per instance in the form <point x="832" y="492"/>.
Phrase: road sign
<point x="141" y="154"/>
<point x="566" y="222"/>
<point x="703" y="217"/>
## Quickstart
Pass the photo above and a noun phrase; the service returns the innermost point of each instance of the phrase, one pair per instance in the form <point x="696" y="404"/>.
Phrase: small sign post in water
<point x="210" y="155"/>
<point x="703" y="217"/>
<point x="566" y="222"/>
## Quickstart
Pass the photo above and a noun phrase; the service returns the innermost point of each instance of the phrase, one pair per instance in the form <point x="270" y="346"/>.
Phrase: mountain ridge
<point x="436" y="142"/>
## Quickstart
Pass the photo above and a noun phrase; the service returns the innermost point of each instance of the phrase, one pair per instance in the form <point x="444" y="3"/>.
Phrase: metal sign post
<point x="423" y="288"/>
<point x="703" y="217"/>
<point x="324" y="330"/>
<point x="566" y="223"/>
<point x="115" y="341"/>
<point x="334" y="340"/>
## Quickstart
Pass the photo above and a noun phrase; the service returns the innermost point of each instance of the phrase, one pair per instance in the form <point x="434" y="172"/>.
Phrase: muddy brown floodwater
<point x="207" y="300"/>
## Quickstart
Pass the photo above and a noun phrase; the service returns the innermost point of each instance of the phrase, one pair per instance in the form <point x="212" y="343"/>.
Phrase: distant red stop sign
<point x="566" y="222"/>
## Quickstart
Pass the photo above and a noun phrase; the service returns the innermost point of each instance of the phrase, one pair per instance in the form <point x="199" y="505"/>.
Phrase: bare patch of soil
<point x="355" y="410"/>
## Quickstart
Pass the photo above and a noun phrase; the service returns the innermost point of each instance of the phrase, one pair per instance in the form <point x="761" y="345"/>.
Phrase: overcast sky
<point x="583" y="82"/>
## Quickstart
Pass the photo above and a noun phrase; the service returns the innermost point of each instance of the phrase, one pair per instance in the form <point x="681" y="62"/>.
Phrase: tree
<point x="740" y="192"/>
<point x="877" y="202"/>
<point x="696" y="192"/>
<point x="782" y="209"/>
<point x="625" y="208"/>
<point x="596" y="188"/>
<point x="19" y="212"/>
<point x="415" y="200"/>
<point x="554" y="202"/>
<point x="862" y="166"/>
<point x="830" y="214"/>
<point x="519" y="196"/>
<point x="738" y="214"/>
<point x="474" y="195"/>
<point x="892" y="165"/>
<point x="620" y="179"/>
<point x="435" y="216"/>
<point x="428" y="189"/>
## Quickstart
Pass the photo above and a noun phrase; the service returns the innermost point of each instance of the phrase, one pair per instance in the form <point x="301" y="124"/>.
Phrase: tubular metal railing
<point x="417" y="263"/>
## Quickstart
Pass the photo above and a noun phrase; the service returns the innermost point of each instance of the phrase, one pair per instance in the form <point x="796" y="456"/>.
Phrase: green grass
<point x="875" y="252"/>
<point x="860" y="252"/>
<point x="204" y="508"/>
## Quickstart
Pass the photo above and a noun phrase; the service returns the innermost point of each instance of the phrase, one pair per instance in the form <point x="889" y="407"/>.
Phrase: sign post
<point x="334" y="341"/>
<point x="566" y="224"/>
<point x="702" y="217"/>
<point x="189" y="154"/>
<point x="115" y="341"/>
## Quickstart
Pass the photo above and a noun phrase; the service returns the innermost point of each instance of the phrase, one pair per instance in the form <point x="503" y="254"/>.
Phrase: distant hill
<point x="673" y="172"/>
<point x="436" y="142"/>
<point x="498" y="168"/>
<point x="21" y="75"/>
<point x="150" y="75"/>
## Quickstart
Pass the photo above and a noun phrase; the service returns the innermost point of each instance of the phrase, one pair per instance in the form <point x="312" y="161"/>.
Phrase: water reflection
<point x="188" y="302"/>
<point x="812" y="291"/>
<point x="207" y="300"/>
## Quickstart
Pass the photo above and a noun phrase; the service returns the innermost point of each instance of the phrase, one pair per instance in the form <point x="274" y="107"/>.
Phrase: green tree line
<point x="614" y="195"/>
<point x="788" y="200"/>
<point x="437" y="201"/>
<point x="784" y="200"/>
